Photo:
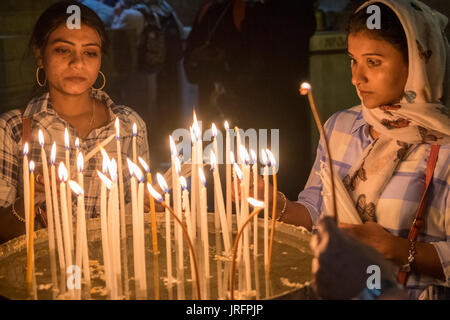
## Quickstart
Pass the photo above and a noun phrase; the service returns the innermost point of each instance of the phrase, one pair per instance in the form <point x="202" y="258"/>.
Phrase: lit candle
<point x="255" y="196"/>
<point x="82" y="249"/>
<point x="238" y="145"/>
<point x="134" y="143"/>
<point x="30" y="255"/>
<point x="187" y="214"/>
<point x="77" y="146"/>
<point x="56" y="214"/>
<point x="152" y="207"/>
<point x="63" y="175"/>
<point x="121" y="192"/>
<point x="266" y="206"/>
<point x="115" y="225"/>
<point x="177" y="207"/>
<point x="246" y="170"/>
<point x="26" y="185"/>
<point x="68" y="192"/>
<point x="274" y="201"/>
<point x="140" y="229"/>
<point x="199" y="157"/>
<point x="215" y="149"/>
<point x="194" y="180"/>
<point x="236" y="194"/>
<point x="238" y="175"/>
<point x="106" y="183"/>
<point x="228" y="174"/>
<point x="221" y="206"/>
<point x="165" y="188"/>
<point x="204" y="219"/>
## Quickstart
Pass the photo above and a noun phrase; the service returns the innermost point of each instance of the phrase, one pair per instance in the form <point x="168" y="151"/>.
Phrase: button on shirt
<point x="348" y="136"/>
<point x="44" y="117"/>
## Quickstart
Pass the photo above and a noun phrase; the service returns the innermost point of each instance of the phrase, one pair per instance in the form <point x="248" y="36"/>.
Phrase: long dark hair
<point x="57" y="14"/>
<point x="391" y="28"/>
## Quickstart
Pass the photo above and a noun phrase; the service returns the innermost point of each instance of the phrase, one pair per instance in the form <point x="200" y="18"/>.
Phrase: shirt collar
<point x="359" y="122"/>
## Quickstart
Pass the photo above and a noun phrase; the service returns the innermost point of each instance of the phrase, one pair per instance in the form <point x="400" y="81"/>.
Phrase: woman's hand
<point x="251" y="190"/>
<point x="373" y="235"/>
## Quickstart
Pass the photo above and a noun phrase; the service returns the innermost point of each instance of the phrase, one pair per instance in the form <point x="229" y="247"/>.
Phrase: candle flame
<point x="112" y="168"/>
<point x="226" y="125"/>
<point x="256" y="203"/>
<point x="144" y="165"/>
<point x="162" y="182"/>
<point x="105" y="180"/>
<point x="62" y="172"/>
<point x="117" y="125"/>
<point x="201" y="174"/>
<point x="183" y="183"/>
<point x="173" y="147"/>
<point x="196" y="128"/>
<point x="31" y="166"/>
<point x="154" y="193"/>
<point x="244" y="154"/>
<point x="41" y="138"/>
<point x="273" y="162"/>
<point x="77" y="143"/>
<point x="76" y="188"/>
<point x="213" y="160"/>
<point x="106" y="160"/>
<point x="305" y="87"/>
<point x="214" y="130"/>
<point x="134" y="129"/>
<point x="193" y="136"/>
<point x="232" y="157"/>
<point x="130" y="167"/>
<point x="25" y="149"/>
<point x="253" y="156"/>
<point x="237" y="170"/>
<point x="177" y="166"/>
<point x="264" y="160"/>
<point x="80" y="162"/>
<point x="53" y="153"/>
<point x="66" y="138"/>
<point x="138" y="173"/>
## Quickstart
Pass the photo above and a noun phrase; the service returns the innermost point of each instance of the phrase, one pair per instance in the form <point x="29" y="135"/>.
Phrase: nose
<point x="76" y="60"/>
<point x="358" y="75"/>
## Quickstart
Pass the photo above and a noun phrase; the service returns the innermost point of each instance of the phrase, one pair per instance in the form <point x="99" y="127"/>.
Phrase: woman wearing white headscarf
<point x="381" y="148"/>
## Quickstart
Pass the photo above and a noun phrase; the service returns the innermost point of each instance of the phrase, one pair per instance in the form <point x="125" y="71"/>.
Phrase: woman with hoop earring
<point x="68" y="65"/>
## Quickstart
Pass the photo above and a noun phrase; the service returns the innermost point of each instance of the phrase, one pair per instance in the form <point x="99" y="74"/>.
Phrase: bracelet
<point x="411" y="257"/>
<point x="283" y="211"/>
<point x="14" y="212"/>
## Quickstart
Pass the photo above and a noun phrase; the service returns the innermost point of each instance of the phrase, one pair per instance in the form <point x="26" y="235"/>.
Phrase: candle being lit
<point x="68" y="192"/>
<point x="165" y="189"/>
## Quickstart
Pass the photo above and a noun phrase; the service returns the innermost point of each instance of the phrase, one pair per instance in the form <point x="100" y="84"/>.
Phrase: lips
<point x="76" y="79"/>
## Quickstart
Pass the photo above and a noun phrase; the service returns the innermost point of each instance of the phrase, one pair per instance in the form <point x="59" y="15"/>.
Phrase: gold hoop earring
<point x="104" y="81"/>
<point x="37" y="77"/>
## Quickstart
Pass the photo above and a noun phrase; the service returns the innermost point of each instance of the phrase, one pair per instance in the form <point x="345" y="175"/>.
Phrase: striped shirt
<point x="348" y="136"/>
<point x="44" y="117"/>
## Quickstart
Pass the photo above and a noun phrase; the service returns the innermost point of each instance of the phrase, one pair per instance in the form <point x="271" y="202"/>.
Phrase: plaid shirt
<point x="44" y="117"/>
<point x="348" y="135"/>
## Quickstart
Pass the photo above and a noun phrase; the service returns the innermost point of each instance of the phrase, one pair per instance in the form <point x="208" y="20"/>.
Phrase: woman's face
<point x="379" y="71"/>
<point x="71" y="59"/>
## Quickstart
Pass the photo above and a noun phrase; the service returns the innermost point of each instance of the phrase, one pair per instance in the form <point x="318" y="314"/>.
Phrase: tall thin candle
<point x="68" y="192"/>
<point x="204" y="218"/>
<point x="152" y="208"/>
<point x="266" y="208"/>
<point x="30" y="256"/>
<point x="228" y="174"/>
<point x="26" y="187"/>
<point x="255" y="196"/>
<point x="165" y="188"/>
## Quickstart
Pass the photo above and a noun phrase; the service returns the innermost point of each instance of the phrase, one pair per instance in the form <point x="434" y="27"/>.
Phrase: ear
<point x="37" y="52"/>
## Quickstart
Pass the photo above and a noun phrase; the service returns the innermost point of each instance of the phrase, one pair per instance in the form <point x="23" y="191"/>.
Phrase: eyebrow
<point x="71" y="43"/>
<point x="367" y="54"/>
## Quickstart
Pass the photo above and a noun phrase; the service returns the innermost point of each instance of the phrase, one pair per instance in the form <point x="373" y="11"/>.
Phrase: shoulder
<point x="345" y="121"/>
<point x="11" y="123"/>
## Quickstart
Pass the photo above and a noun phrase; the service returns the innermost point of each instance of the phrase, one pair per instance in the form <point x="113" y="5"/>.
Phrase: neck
<point x="70" y="105"/>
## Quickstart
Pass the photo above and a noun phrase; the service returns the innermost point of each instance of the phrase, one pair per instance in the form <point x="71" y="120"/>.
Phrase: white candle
<point x="77" y="147"/>
<point x="199" y="158"/>
<point x="194" y="181"/>
<point x="134" y="143"/>
<point x="165" y="188"/>
<point x="228" y="175"/>
<point x="266" y="208"/>
<point x="204" y="217"/>
<point x="63" y="175"/>
<point x="221" y="206"/>
<point x="238" y="175"/>
<point x="56" y="213"/>
<point x="238" y="145"/>
<point x="121" y="192"/>
<point x="215" y="150"/>
<point x="244" y="216"/>
<point x="255" y="195"/>
<point x="115" y="225"/>
<point x="68" y="192"/>
<point x="177" y="205"/>
<point x="26" y="187"/>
